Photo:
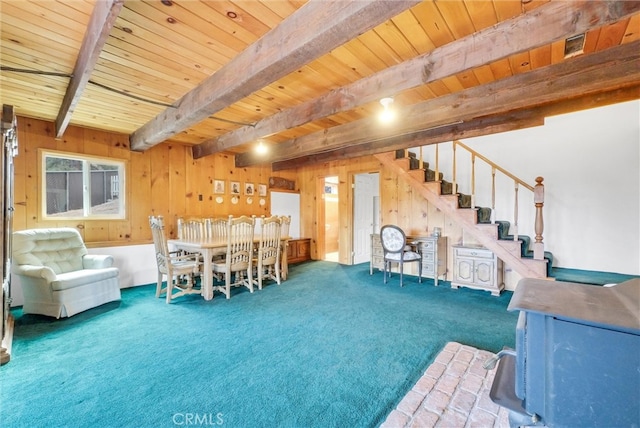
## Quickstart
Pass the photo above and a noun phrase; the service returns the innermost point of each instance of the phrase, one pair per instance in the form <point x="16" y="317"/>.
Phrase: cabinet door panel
<point x="464" y="270"/>
<point x="291" y="250"/>
<point x="484" y="272"/>
<point x="304" y="249"/>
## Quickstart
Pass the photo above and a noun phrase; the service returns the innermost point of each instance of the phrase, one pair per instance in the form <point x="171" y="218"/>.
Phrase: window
<point x="81" y="186"/>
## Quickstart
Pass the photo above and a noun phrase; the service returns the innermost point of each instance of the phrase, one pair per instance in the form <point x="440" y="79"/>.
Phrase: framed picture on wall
<point x="218" y="187"/>
<point x="235" y="187"/>
<point x="248" y="189"/>
<point x="262" y="190"/>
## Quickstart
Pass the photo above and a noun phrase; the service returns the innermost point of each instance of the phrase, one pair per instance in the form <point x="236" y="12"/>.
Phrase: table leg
<point x="284" y="268"/>
<point x="207" y="275"/>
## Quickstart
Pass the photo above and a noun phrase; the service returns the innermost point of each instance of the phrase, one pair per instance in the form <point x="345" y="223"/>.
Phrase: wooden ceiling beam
<point x="311" y="31"/>
<point x="552" y="21"/>
<point x="103" y="17"/>
<point x="613" y="68"/>
<point x="475" y="128"/>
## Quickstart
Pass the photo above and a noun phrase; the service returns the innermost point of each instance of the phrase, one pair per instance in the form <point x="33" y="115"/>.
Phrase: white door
<point x="365" y="195"/>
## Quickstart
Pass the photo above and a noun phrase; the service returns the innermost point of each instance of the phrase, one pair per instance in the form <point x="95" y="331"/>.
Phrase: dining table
<point x="211" y="248"/>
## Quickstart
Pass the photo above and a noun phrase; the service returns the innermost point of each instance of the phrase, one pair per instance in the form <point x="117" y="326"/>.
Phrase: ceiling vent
<point x="574" y="46"/>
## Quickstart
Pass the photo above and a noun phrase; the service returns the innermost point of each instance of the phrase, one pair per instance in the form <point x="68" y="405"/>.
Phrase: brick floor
<point x="452" y="393"/>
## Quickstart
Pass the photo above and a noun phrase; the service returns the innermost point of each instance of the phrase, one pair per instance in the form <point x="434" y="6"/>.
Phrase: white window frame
<point x="86" y="160"/>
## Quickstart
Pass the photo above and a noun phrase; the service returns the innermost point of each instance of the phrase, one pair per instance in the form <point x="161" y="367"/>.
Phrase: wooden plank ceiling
<point x="305" y="78"/>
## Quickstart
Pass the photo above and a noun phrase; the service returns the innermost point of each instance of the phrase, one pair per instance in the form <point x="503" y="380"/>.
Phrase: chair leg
<point x="401" y="267"/>
<point x="227" y="284"/>
<point x="420" y="271"/>
<point x="384" y="271"/>
<point x="159" y="286"/>
<point x="249" y="279"/>
<point x="170" y="280"/>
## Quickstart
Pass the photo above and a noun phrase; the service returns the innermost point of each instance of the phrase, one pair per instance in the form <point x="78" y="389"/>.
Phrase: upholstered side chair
<point x="59" y="277"/>
<point x="395" y="250"/>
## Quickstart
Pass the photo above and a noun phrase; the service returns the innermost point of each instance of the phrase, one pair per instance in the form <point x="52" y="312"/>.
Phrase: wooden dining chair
<point x="191" y="230"/>
<point x="179" y="269"/>
<point x="215" y="229"/>
<point x="194" y="230"/>
<point x="395" y="250"/>
<point x="284" y="250"/>
<point x="218" y="227"/>
<point x="267" y="260"/>
<point x="237" y="265"/>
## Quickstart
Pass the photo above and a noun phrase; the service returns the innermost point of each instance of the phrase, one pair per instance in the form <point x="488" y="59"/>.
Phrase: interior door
<point x="365" y="195"/>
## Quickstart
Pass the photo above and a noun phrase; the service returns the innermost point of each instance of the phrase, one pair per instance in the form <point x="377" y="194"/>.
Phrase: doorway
<point x="366" y="214"/>
<point x="332" y="226"/>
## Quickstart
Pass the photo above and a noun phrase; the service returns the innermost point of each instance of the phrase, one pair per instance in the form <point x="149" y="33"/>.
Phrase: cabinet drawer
<point x="428" y="269"/>
<point x="474" y="252"/>
<point x="428" y="257"/>
<point x="377" y="251"/>
<point x="427" y="246"/>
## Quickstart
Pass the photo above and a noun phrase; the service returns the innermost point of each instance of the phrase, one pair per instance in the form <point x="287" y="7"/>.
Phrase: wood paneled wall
<point x="164" y="180"/>
<point x="399" y="204"/>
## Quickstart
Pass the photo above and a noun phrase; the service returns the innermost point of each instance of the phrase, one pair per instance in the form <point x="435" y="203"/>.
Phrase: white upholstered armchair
<point x="58" y="276"/>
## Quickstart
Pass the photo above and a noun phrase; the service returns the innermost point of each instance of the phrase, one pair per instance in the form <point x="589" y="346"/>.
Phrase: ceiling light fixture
<point x="387" y="115"/>
<point x="261" y="148"/>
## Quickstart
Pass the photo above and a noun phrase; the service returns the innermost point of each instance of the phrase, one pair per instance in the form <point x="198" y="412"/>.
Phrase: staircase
<point x="475" y="221"/>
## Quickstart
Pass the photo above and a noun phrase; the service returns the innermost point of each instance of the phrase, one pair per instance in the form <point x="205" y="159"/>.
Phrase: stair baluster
<point x="438" y="166"/>
<point x="455" y="175"/>
<point x="538" y="200"/>
<point x="515" y="211"/>
<point x="493" y="194"/>
<point x="473" y="181"/>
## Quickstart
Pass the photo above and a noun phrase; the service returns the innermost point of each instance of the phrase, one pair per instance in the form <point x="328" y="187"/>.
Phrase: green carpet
<point x="589" y="276"/>
<point x="330" y="347"/>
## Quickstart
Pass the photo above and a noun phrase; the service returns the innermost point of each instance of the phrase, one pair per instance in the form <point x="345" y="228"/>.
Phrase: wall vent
<point x="574" y="45"/>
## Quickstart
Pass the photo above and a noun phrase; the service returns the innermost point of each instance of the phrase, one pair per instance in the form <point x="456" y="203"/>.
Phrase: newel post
<point x="538" y="199"/>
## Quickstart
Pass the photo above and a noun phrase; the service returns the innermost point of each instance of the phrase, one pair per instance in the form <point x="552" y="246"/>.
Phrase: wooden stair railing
<point x="485" y="233"/>
<point x="538" y="193"/>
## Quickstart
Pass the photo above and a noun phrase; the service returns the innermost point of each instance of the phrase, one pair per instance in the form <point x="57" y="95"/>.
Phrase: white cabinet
<point x="477" y="267"/>
<point x="377" y="254"/>
<point x="434" y="256"/>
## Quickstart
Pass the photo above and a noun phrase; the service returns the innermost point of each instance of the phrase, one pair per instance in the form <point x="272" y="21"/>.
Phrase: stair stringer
<point x="527" y="268"/>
